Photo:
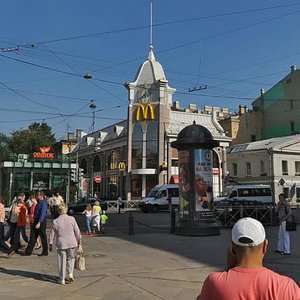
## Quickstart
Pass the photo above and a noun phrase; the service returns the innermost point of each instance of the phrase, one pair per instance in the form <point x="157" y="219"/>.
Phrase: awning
<point x="174" y="179"/>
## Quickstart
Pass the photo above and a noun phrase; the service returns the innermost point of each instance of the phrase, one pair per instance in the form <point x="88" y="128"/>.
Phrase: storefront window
<point x="136" y="187"/>
<point x="152" y="146"/>
<point x="137" y="146"/>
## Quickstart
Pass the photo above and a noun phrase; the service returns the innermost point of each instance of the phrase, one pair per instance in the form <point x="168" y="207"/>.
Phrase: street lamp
<point x="93" y="106"/>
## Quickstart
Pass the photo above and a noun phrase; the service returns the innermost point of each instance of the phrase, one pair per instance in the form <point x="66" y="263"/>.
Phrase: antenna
<point x="151" y="24"/>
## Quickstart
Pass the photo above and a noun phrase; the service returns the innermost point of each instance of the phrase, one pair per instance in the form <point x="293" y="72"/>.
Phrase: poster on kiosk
<point x="203" y="180"/>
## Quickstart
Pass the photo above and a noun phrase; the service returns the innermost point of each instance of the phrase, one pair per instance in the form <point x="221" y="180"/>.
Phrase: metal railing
<point x="128" y="205"/>
<point x="228" y="215"/>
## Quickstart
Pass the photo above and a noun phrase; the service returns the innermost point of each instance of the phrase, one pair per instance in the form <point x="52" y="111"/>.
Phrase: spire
<point x="151" y="56"/>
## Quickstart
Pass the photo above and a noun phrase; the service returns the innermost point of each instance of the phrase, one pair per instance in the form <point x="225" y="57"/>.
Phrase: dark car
<point x="79" y="205"/>
<point x="228" y="211"/>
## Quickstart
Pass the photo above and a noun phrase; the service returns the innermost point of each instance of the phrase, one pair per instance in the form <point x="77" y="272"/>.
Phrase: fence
<point x="128" y="205"/>
<point x="228" y="215"/>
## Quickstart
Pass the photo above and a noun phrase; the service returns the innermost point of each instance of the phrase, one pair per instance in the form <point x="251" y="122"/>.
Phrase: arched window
<point x="137" y="146"/>
<point x="112" y="162"/>
<point x="97" y="164"/>
<point x="83" y="165"/>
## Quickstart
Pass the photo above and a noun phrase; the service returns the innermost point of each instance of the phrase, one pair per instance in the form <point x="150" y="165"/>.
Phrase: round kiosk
<point x="196" y="217"/>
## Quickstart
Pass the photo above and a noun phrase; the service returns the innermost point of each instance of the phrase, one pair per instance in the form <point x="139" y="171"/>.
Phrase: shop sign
<point x="145" y="112"/>
<point x="44" y="153"/>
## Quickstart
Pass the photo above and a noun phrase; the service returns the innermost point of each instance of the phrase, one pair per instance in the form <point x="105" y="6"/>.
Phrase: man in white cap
<point x="246" y="277"/>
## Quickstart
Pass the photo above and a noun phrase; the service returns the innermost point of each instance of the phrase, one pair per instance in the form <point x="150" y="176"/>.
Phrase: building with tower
<point x="134" y="155"/>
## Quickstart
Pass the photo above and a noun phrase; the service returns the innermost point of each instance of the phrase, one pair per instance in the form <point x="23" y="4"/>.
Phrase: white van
<point x="258" y="192"/>
<point x="156" y="200"/>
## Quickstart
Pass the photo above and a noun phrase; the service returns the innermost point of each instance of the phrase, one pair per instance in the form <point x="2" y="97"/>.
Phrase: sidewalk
<point x="141" y="266"/>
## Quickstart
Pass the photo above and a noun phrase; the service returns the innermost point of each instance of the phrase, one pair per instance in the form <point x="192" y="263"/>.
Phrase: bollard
<point x="130" y="225"/>
<point x="173" y="220"/>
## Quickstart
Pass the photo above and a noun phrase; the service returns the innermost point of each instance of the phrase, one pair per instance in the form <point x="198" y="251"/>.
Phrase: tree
<point x="4" y="147"/>
<point x="29" y="140"/>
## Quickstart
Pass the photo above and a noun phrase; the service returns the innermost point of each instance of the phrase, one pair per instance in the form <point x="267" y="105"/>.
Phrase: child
<point x="104" y="219"/>
<point x="88" y="218"/>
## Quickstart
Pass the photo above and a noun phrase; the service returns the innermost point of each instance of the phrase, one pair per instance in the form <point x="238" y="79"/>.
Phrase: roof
<point x="275" y="144"/>
<point x="180" y="120"/>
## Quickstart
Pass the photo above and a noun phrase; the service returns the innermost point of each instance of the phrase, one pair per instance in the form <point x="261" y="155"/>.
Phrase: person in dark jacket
<point x="39" y="226"/>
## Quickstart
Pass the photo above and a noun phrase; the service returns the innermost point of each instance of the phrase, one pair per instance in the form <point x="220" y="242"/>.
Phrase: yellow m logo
<point x="122" y="166"/>
<point x="146" y="110"/>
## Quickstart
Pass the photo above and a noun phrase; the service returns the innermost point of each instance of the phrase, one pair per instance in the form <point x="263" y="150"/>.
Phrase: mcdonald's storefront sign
<point x="122" y="166"/>
<point x="144" y="112"/>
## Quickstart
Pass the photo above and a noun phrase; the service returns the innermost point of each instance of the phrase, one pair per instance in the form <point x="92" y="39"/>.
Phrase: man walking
<point x="246" y="277"/>
<point x="39" y="226"/>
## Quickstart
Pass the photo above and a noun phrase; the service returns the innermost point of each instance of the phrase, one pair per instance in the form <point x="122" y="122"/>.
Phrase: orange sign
<point x="44" y="153"/>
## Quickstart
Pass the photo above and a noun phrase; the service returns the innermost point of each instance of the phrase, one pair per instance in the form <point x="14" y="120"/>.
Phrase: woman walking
<point x="68" y="237"/>
<point x="97" y="211"/>
<point x="88" y="218"/>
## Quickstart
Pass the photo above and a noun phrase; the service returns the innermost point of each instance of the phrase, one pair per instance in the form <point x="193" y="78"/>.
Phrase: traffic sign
<point x="98" y="179"/>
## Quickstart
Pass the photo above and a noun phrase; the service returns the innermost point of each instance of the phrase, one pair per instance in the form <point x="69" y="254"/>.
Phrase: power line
<point x="35" y="44"/>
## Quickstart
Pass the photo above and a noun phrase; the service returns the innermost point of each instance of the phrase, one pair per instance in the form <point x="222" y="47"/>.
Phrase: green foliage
<point x="4" y="147"/>
<point x="31" y="139"/>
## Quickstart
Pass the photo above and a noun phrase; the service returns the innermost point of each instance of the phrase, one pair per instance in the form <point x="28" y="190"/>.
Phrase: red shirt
<point x="32" y="209"/>
<point x="249" y="284"/>
<point x="22" y="216"/>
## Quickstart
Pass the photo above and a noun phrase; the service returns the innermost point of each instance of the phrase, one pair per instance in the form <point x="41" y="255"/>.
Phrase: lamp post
<point x="93" y="106"/>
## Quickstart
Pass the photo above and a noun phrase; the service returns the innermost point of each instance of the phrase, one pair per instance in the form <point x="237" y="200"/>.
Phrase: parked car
<point x="229" y="211"/>
<point x="79" y="205"/>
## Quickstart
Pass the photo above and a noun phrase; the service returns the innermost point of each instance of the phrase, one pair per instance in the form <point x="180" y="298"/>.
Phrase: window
<point x="298" y="194"/>
<point x="284" y="166"/>
<point x="234" y="168"/>
<point x="262" y="168"/>
<point x="248" y="168"/>
<point x="297" y="168"/>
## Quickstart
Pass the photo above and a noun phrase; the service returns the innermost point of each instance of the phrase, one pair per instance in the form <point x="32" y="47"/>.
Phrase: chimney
<point x="70" y="136"/>
<point x="262" y="91"/>
<point x="242" y="109"/>
<point x="78" y="134"/>
<point x="176" y="105"/>
<point x="293" y="68"/>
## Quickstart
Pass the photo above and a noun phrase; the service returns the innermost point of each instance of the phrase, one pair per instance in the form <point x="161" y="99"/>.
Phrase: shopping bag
<point x="291" y="225"/>
<point x="79" y="259"/>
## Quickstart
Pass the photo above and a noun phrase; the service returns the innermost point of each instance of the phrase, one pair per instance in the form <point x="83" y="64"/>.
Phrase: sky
<point x="233" y="47"/>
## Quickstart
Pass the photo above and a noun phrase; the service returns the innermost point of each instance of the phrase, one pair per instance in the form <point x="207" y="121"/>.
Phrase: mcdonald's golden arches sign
<point x="144" y="112"/>
<point x="122" y="166"/>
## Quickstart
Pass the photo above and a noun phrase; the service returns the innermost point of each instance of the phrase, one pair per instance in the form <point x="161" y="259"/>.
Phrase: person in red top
<point x="246" y="277"/>
<point x="34" y="202"/>
<point x="21" y="225"/>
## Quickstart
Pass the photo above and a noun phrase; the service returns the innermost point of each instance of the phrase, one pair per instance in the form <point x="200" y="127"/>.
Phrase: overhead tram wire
<point x="254" y="10"/>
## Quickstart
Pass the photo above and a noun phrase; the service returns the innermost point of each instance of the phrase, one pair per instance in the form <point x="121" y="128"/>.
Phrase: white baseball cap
<point x="248" y="228"/>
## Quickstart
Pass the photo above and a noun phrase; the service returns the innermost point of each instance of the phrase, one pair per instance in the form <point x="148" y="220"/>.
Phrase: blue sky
<point x="233" y="47"/>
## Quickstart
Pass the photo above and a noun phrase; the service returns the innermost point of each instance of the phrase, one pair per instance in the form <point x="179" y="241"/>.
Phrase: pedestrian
<point x="119" y="204"/>
<point x="21" y="225"/>
<point x="3" y="244"/>
<point x="284" y="212"/>
<point x="88" y="218"/>
<point x="56" y="200"/>
<point x="39" y="226"/>
<point x="104" y="220"/>
<point x="68" y="238"/>
<point x="31" y="220"/>
<point x="97" y="211"/>
<point x="13" y="219"/>
<point x="246" y="278"/>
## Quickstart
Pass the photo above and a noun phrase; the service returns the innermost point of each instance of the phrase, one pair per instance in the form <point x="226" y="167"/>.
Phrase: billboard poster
<point x="203" y="179"/>
<point x="184" y="182"/>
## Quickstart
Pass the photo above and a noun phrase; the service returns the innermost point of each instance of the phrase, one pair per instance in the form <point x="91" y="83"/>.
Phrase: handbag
<point x="291" y="225"/>
<point x="79" y="259"/>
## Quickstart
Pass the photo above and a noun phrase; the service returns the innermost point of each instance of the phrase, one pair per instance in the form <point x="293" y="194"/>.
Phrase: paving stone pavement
<point x="142" y="266"/>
